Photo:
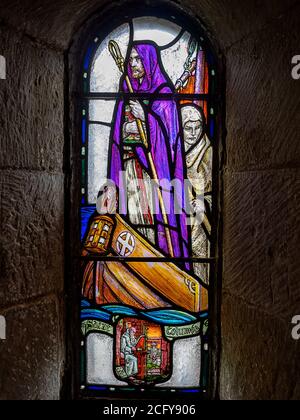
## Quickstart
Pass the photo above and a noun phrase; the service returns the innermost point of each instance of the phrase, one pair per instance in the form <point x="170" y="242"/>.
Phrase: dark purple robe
<point x="165" y="144"/>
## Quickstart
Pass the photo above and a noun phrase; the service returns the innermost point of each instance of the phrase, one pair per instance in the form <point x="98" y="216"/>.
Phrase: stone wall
<point x="31" y="217"/>
<point x="260" y="284"/>
<point x="261" y="279"/>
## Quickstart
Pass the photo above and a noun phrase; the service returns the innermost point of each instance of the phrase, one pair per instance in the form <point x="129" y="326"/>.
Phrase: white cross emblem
<point x="125" y="244"/>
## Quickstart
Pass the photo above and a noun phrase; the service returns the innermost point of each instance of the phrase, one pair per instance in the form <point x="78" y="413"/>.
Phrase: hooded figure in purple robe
<point x="160" y="118"/>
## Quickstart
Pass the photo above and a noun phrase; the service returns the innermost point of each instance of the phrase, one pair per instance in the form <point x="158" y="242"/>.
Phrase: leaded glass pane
<point x="148" y="132"/>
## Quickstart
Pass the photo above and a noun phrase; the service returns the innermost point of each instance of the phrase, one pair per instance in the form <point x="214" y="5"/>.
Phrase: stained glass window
<point x="148" y="132"/>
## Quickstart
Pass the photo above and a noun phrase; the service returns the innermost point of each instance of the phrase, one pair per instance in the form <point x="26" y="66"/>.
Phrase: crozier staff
<point x="152" y="146"/>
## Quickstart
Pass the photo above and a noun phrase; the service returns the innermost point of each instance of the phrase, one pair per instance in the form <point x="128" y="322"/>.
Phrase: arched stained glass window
<point x="148" y="131"/>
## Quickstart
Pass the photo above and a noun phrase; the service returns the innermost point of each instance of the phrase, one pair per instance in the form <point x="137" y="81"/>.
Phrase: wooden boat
<point x="143" y="285"/>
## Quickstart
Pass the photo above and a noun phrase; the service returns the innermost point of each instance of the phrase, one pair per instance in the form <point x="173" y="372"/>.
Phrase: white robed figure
<point x="198" y="151"/>
<point x="128" y="343"/>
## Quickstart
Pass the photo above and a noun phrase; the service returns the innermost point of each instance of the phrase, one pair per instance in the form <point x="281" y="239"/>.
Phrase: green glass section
<point x="85" y="87"/>
<point x="82" y="366"/>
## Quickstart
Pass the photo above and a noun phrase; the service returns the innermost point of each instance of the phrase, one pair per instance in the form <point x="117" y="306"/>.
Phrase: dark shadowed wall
<point x="261" y="275"/>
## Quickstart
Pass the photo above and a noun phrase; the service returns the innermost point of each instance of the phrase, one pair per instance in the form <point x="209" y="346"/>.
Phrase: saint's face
<point x="136" y="65"/>
<point x="192" y="132"/>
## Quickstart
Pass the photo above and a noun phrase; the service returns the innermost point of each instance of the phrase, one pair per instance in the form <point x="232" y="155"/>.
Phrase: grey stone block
<point x="263" y="100"/>
<point x="261" y="252"/>
<point x="32" y="356"/>
<point x="31" y="236"/>
<point x="259" y="358"/>
<point x="31" y="105"/>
